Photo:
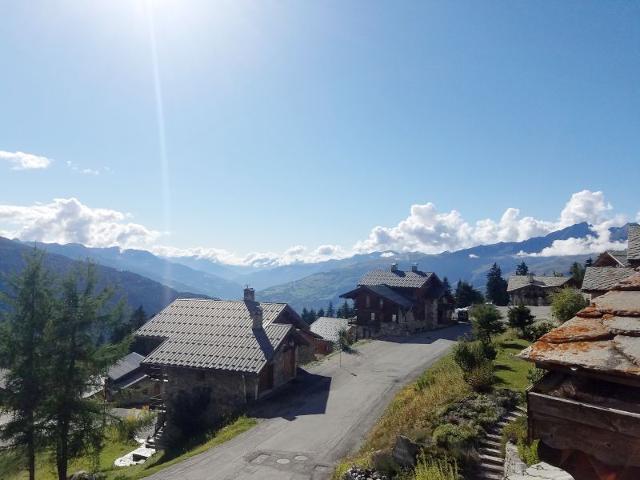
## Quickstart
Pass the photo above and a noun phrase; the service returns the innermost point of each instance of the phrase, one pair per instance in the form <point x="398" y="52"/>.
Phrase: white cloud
<point x="473" y="255"/>
<point x="429" y="231"/>
<point x="67" y="220"/>
<point x="425" y="230"/>
<point x="25" y="161"/>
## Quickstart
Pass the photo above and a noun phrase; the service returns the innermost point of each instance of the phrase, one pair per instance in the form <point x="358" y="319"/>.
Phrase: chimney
<point x="256" y="316"/>
<point x="530" y="275"/>
<point x="394" y="267"/>
<point x="249" y="294"/>
<point x="414" y="267"/>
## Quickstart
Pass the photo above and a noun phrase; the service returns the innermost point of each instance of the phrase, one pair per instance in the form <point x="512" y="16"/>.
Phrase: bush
<point x="535" y="375"/>
<point x="481" y="378"/>
<point x="455" y="437"/>
<point x="126" y="428"/>
<point x="520" y="318"/>
<point x="486" y="321"/>
<point x="475" y="360"/>
<point x="566" y="303"/>
<point x="535" y="331"/>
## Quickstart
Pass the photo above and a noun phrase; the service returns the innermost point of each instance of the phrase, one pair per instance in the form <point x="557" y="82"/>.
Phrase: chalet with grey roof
<point x="586" y="409"/>
<point x="127" y="384"/>
<point x="535" y="289"/>
<point x="630" y="257"/>
<point x="599" y="280"/>
<point x="213" y="357"/>
<point x="393" y="301"/>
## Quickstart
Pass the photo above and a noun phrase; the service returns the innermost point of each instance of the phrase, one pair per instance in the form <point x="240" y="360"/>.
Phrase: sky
<point x="300" y="130"/>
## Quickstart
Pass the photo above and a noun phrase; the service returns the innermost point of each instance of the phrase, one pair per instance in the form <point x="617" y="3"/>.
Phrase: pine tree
<point x="588" y="262"/>
<point x="520" y="318"/>
<point x="577" y="272"/>
<point x="522" y="269"/>
<point x="446" y="286"/>
<point x="466" y="295"/>
<point x="486" y="322"/>
<point x="319" y="314"/>
<point x="138" y="318"/>
<point x="496" y="286"/>
<point x="76" y="362"/>
<point x="23" y="354"/>
<point x="330" y="310"/>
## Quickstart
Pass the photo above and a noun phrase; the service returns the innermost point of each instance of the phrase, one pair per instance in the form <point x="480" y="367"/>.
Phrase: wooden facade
<point x="586" y="410"/>
<point x="393" y="308"/>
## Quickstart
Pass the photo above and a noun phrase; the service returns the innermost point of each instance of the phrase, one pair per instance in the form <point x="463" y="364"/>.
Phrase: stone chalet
<point x="393" y="302"/>
<point x="612" y="266"/>
<point x="534" y="289"/>
<point x="218" y="356"/>
<point x="127" y="384"/>
<point x="328" y="328"/>
<point x="586" y="409"/>
<point x="623" y="258"/>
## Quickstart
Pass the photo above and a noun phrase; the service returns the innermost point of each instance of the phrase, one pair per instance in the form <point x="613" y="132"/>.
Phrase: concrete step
<point x="489" y="467"/>
<point x="490" y="451"/>
<point x="490" y="444"/>
<point x="491" y="459"/>
<point x="494" y="437"/>
<point x="489" y="476"/>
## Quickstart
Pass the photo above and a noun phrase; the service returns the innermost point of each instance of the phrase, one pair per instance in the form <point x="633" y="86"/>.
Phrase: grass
<point x="511" y="371"/>
<point x="412" y="411"/>
<point x="11" y="465"/>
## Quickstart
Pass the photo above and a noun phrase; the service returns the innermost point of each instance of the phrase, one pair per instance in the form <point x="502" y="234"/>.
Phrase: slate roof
<point x="125" y="366"/>
<point x="329" y="328"/>
<point x="633" y="250"/>
<point x="517" y="282"/>
<point x="397" y="278"/>
<point x="604" y="278"/>
<point x="215" y="334"/>
<point x="603" y="337"/>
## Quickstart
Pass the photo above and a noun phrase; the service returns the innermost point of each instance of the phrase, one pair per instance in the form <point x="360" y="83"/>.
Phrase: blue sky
<point x="310" y="123"/>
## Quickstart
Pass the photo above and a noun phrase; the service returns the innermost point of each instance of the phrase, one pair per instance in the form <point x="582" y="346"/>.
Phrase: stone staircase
<point x="491" y="458"/>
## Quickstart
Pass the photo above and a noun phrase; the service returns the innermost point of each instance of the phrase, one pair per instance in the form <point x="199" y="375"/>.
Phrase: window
<point x="368" y="301"/>
<point x="394" y="318"/>
<point x="373" y="316"/>
<point x="381" y="303"/>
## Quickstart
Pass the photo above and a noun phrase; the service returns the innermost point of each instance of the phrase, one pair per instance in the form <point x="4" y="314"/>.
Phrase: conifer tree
<point x="522" y="269"/>
<point x="496" y="286"/>
<point x="75" y="424"/>
<point x="22" y="353"/>
<point x="330" y="310"/>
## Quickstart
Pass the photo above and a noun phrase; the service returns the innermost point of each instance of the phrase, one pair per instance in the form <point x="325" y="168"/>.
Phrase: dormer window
<point x="368" y="301"/>
<point x="381" y="303"/>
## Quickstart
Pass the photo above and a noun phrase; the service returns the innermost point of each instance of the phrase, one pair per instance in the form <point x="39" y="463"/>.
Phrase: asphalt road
<point x="322" y="417"/>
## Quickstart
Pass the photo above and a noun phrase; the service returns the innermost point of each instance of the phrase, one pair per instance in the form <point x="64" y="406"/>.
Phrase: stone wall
<point x="516" y="469"/>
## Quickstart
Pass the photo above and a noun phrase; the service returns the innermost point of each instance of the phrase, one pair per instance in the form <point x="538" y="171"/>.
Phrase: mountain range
<point x="311" y="285"/>
<point x="136" y="290"/>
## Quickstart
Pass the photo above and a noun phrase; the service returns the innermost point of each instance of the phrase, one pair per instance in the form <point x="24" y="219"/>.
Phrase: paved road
<point x="305" y="430"/>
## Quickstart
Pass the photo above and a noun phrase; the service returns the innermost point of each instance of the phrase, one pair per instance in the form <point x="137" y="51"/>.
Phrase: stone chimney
<point x="394" y="267"/>
<point x="249" y="294"/>
<point x="256" y="316"/>
<point x="414" y="267"/>
<point x="530" y="275"/>
<point x="255" y="310"/>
